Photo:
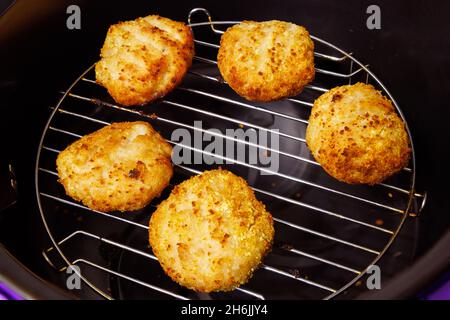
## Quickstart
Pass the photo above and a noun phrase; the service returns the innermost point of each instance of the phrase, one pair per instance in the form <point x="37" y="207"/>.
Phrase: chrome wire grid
<point x="327" y="234"/>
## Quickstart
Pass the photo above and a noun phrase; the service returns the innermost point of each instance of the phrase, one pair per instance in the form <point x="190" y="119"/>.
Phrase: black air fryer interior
<point x="39" y="58"/>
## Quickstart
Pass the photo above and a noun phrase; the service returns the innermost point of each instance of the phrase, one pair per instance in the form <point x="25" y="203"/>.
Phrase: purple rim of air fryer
<point x="441" y="293"/>
<point x="8" y="294"/>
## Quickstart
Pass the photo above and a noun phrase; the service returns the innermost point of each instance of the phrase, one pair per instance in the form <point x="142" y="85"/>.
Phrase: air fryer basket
<point x="327" y="234"/>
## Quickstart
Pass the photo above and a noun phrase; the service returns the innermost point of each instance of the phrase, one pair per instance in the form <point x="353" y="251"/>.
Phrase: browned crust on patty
<point x="121" y="167"/>
<point x="211" y="233"/>
<point x="266" y="61"/>
<point x="356" y="135"/>
<point x="144" y="59"/>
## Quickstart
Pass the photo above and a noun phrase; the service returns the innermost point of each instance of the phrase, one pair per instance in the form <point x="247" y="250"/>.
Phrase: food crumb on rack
<point x="379" y="222"/>
<point x="286" y="246"/>
<point x="295" y="272"/>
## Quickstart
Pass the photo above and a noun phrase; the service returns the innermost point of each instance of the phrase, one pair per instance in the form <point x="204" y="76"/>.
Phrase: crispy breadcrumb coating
<point x="212" y="232"/>
<point x="356" y="135"/>
<point x="121" y="167"/>
<point x="144" y="59"/>
<point x="266" y="61"/>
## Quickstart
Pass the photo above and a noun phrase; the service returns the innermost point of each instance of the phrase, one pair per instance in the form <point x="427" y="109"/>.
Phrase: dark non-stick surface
<point x="39" y="57"/>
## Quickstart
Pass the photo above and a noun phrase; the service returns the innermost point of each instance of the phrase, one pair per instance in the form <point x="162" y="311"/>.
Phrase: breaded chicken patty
<point x="266" y="61"/>
<point x="356" y="135"/>
<point x="122" y="167"/>
<point x="211" y="233"/>
<point x="144" y="59"/>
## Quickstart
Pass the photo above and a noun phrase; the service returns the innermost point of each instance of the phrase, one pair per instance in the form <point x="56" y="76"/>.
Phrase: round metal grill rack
<point x="327" y="234"/>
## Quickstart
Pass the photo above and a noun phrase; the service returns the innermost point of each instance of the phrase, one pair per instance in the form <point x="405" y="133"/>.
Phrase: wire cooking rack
<point x="327" y="233"/>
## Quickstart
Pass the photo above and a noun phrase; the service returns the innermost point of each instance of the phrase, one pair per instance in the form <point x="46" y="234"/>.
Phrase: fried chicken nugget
<point x="356" y="135"/>
<point x="211" y="233"/>
<point x="144" y="59"/>
<point x="121" y="167"/>
<point x="266" y="61"/>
